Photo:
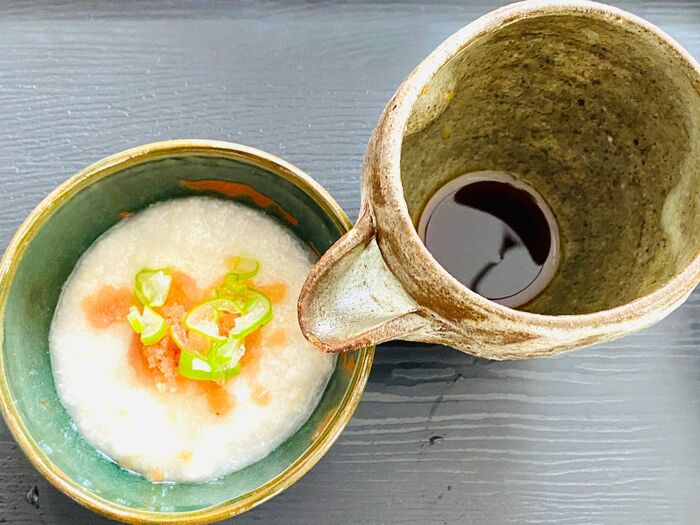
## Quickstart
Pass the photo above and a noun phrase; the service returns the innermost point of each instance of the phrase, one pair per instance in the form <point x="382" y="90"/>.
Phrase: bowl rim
<point x="38" y="217"/>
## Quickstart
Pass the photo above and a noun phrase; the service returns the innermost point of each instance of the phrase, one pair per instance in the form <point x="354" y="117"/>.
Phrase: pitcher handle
<point x="351" y="299"/>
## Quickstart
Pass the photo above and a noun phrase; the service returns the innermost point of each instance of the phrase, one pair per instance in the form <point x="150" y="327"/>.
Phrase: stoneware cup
<point x="594" y="108"/>
<point x="42" y="255"/>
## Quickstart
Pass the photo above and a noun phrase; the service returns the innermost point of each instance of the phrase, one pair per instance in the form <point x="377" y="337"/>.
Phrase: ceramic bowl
<point x="42" y="255"/>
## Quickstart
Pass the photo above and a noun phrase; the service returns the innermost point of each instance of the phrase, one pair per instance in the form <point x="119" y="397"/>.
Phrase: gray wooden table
<point x="606" y="435"/>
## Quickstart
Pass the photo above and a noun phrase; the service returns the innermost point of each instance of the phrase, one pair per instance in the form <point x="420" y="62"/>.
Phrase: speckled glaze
<point x="596" y="109"/>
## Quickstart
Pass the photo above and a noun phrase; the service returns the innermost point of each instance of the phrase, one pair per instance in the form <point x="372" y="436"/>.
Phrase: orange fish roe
<point x="198" y="343"/>
<point x="107" y="305"/>
<point x="173" y="313"/>
<point x="192" y="340"/>
<point x="227" y="320"/>
<point x="138" y="361"/>
<point x="157" y="365"/>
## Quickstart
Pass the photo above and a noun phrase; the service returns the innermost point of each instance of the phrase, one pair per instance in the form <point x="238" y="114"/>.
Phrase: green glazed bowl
<point x="42" y="255"/>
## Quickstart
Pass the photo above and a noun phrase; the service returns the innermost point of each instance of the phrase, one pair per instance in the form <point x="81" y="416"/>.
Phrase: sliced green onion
<point x="224" y="304"/>
<point x="178" y="336"/>
<point x="154" y="327"/>
<point x="227" y="353"/>
<point x="194" y="366"/>
<point x="149" y="324"/>
<point x="225" y="357"/>
<point x="152" y="286"/>
<point x="243" y="268"/>
<point x="256" y="309"/>
<point x="228" y="291"/>
<point x="203" y="320"/>
<point x="233" y="372"/>
<point x="135" y="321"/>
<point x="222" y="362"/>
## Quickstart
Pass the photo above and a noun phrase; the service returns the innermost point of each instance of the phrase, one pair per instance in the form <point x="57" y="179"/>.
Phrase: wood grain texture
<point x="605" y="435"/>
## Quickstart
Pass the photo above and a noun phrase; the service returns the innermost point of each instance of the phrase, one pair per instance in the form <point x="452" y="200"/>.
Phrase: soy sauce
<point x="491" y="236"/>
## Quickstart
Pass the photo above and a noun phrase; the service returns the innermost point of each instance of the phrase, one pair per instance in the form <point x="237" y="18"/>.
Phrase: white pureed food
<point x="175" y="436"/>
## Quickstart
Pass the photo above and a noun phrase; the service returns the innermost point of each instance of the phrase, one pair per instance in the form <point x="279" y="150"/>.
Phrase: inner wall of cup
<point x="597" y="116"/>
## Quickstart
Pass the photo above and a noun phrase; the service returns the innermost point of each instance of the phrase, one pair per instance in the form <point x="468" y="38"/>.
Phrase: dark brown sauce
<point x="491" y="236"/>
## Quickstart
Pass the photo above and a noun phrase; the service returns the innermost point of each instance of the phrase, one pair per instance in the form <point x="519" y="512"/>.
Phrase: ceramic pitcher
<point x="596" y="109"/>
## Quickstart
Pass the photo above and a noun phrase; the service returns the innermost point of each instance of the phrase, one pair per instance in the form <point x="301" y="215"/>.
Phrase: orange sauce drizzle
<point x="250" y="366"/>
<point x="219" y="400"/>
<point x="276" y="338"/>
<point x="276" y="292"/>
<point x="238" y="189"/>
<point x="107" y="305"/>
<point x="250" y="362"/>
<point x="261" y="395"/>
